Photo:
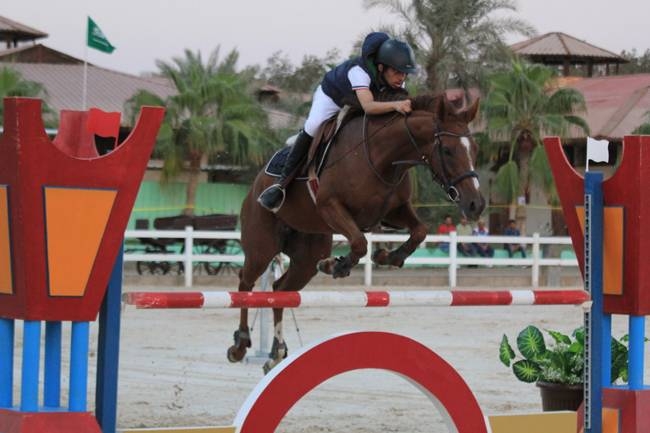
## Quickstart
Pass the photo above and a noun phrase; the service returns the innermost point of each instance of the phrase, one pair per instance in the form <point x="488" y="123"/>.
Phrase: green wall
<point x="157" y="200"/>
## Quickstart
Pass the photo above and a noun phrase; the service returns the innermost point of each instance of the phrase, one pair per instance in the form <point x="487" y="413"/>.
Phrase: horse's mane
<point x="425" y="102"/>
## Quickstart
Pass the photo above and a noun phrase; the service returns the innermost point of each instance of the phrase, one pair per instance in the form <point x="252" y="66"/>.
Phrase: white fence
<point x="536" y="244"/>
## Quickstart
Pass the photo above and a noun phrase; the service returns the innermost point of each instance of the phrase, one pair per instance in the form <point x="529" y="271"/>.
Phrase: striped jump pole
<point x="429" y="298"/>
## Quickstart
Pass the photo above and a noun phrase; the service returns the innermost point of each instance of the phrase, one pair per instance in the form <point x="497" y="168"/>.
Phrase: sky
<point x="145" y="30"/>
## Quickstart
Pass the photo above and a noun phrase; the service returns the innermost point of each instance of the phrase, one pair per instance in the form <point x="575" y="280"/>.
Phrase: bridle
<point x="448" y="185"/>
<point x="443" y="179"/>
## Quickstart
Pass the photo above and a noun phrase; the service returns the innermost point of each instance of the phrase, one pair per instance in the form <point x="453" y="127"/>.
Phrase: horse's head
<point x="453" y="153"/>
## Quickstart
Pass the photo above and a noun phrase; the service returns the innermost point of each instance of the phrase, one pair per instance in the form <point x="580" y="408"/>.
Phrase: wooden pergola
<point x="12" y="32"/>
<point x="560" y="49"/>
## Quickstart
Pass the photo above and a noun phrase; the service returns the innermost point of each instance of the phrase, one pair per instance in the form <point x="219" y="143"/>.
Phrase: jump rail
<point x="429" y="298"/>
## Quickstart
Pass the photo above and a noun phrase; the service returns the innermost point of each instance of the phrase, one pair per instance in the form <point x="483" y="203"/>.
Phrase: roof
<point x="561" y="45"/>
<point x="616" y="105"/>
<point x="37" y="53"/>
<point x="107" y="89"/>
<point x="14" y="31"/>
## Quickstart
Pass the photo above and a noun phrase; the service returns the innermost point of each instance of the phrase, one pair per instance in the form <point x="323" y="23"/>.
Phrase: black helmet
<point x="398" y="55"/>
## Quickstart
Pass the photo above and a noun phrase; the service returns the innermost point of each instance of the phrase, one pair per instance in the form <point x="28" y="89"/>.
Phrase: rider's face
<point x="393" y="77"/>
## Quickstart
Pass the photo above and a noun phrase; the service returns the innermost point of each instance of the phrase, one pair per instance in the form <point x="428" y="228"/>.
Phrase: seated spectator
<point x="463" y="228"/>
<point x="446" y="227"/>
<point x="512" y="230"/>
<point x="483" y="250"/>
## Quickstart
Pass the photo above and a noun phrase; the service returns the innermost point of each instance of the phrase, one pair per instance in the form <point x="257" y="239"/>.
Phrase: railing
<point x="536" y="261"/>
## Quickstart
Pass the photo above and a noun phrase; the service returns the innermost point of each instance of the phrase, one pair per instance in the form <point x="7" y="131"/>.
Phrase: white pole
<point x="536" y="258"/>
<point x="367" y="267"/>
<point x="453" y="255"/>
<point x="187" y="260"/>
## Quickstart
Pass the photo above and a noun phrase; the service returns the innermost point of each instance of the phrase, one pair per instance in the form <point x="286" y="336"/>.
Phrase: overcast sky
<point x="145" y="30"/>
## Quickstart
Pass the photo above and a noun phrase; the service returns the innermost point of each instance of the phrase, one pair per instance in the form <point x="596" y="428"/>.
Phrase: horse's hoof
<point x="236" y="354"/>
<point x="341" y="272"/>
<point x="380" y="257"/>
<point x="395" y="260"/>
<point x="268" y="366"/>
<point x="326" y="266"/>
<point x="342" y="268"/>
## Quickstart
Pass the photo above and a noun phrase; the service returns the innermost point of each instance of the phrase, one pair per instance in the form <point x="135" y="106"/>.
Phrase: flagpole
<point x="85" y="91"/>
<point x="85" y="83"/>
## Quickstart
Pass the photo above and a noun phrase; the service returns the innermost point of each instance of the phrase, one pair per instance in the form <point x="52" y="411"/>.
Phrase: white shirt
<point x="359" y="79"/>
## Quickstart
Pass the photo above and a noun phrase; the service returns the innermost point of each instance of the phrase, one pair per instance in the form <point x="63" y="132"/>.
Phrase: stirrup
<point x="275" y="206"/>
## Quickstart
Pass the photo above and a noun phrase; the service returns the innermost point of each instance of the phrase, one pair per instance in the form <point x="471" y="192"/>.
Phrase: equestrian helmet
<point x="398" y="55"/>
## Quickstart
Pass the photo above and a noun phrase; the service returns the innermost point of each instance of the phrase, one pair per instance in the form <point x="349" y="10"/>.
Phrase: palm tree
<point x="212" y="113"/>
<point x="457" y="41"/>
<point x="12" y="83"/>
<point x="520" y="106"/>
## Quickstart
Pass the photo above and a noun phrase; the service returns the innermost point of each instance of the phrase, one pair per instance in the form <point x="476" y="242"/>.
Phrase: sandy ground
<point x="174" y="372"/>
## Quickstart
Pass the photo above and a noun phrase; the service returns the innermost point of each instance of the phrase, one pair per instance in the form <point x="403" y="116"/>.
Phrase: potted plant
<point x="557" y="368"/>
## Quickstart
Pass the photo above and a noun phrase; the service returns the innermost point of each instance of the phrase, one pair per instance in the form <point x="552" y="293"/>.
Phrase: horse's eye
<point x="447" y="151"/>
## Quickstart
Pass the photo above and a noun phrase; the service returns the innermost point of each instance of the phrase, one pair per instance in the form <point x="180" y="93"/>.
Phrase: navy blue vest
<point x="336" y="85"/>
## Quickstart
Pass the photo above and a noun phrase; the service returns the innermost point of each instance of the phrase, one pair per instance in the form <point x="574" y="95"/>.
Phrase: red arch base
<point x="285" y="385"/>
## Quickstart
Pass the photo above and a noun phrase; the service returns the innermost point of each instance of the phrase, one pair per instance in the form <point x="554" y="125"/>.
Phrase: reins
<point x="448" y="185"/>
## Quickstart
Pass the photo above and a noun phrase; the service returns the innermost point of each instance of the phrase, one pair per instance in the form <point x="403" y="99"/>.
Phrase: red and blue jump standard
<point x="610" y="230"/>
<point x="63" y="211"/>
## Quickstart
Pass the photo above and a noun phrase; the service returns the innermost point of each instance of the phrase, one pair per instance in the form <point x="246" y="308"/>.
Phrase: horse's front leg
<point x="279" y="349"/>
<point x="242" y="337"/>
<point x="339" y="219"/>
<point x="403" y="216"/>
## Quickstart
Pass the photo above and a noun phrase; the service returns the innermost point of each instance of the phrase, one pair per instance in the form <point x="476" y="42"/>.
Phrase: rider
<point x="384" y="63"/>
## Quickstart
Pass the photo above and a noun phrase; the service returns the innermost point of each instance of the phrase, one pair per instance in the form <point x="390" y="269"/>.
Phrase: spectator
<point x="512" y="230"/>
<point x="464" y="229"/>
<point x="446" y="227"/>
<point x="483" y="250"/>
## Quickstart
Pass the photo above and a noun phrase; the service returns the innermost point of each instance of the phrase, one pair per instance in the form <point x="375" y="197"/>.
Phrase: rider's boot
<point x="272" y="197"/>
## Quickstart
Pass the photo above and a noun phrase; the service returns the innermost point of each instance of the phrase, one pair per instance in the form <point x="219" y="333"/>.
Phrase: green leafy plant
<point x="561" y="361"/>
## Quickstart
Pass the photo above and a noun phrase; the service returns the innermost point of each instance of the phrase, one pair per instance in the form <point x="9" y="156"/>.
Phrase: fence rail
<point x="536" y="260"/>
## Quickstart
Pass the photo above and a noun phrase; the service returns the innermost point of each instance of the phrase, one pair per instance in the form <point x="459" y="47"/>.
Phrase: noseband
<point x="447" y="184"/>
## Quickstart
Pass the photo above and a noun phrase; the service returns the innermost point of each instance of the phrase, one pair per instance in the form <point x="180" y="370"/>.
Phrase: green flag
<point x="96" y="38"/>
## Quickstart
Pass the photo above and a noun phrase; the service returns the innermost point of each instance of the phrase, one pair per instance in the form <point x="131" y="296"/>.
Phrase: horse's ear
<point x="472" y="110"/>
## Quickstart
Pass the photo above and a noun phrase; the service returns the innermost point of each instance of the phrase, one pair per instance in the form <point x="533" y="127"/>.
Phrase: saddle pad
<point x="275" y="164"/>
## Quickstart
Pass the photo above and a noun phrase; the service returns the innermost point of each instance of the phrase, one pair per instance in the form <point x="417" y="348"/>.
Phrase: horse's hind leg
<point x="260" y="244"/>
<point x="304" y="251"/>
<point x="403" y="216"/>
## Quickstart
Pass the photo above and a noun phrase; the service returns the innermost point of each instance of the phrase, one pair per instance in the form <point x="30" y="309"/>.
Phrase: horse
<point x="363" y="183"/>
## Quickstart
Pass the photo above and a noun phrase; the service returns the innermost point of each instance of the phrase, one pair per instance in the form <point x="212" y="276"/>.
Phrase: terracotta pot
<point x="558" y="396"/>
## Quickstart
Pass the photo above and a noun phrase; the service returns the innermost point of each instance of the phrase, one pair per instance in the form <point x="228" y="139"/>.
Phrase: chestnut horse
<point x="364" y="183"/>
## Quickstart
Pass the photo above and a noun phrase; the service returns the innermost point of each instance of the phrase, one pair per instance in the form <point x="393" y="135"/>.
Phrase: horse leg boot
<point x="272" y="197"/>
<point x="279" y="349"/>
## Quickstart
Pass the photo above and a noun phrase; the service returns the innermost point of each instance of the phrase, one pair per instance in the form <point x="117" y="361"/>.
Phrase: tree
<point x="12" y="83"/>
<point x="212" y="113"/>
<point x="457" y="41"/>
<point x="280" y="72"/>
<point x="522" y="104"/>
<point x="637" y="64"/>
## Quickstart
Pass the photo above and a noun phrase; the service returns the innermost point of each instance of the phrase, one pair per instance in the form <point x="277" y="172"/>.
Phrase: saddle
<point x="316" y="156"/>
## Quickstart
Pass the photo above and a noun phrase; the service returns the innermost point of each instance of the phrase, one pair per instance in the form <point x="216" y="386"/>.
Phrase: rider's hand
<point x="403" y="107"/>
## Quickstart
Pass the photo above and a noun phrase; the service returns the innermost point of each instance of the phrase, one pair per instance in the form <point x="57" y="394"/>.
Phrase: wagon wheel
<point x="232" y="246"/>
<point x="142" y="267"/>
<point x="213" y="268"/>
<point x="159" y="268"/>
